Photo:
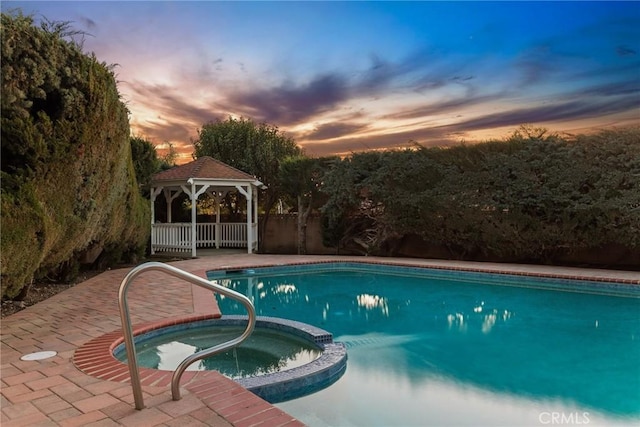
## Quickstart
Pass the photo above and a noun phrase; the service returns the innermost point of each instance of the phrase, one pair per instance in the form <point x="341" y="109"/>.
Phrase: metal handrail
<point x="128" y="332"/>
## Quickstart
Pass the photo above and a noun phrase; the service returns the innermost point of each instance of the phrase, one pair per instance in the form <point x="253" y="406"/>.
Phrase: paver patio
<point x="55" y="391"/>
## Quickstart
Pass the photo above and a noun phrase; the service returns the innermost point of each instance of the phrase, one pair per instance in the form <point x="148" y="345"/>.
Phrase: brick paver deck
<point x="57" y="391"/>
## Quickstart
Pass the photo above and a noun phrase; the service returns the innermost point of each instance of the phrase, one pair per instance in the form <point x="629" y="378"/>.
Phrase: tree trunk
<point x="300" y="236"/>
<point x="268" y="204"/>
<point x="303" y="216"/>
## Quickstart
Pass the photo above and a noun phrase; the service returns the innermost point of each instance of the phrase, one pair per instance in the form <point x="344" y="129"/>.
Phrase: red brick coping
<point x="224" y="396"/>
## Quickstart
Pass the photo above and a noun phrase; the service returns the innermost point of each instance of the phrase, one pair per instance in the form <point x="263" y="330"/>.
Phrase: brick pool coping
<point x="55" y="392"/>
<point x="96" y="358"/>
<point x="232" y="401"/>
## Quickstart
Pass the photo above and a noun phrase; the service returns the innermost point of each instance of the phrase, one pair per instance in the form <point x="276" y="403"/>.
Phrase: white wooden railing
<point x="176" y="237"/>
<point x="206" y="235"/>
<point x="233" y="235"/>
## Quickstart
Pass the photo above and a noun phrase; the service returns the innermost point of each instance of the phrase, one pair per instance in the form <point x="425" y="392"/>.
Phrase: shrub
<point x="67" y="176"/>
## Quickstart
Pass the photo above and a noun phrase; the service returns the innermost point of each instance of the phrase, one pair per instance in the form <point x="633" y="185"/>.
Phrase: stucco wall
<point x="281" y="236"/>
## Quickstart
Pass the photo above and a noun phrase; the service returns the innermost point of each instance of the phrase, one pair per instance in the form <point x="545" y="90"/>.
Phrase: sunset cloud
<point x="351" y="76"/>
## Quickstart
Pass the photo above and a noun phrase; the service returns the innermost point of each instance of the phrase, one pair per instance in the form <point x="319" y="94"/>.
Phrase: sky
<point x="343" y="77"/>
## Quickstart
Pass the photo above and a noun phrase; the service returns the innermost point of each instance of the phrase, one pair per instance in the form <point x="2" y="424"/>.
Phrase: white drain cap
<point x="40" y="355"/>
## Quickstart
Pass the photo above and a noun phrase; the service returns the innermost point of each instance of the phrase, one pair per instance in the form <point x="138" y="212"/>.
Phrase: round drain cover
<point x="39" y="355"/>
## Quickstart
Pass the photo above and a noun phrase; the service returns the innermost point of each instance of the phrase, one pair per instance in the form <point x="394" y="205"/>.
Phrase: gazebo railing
<point x="233" y="235"/>
<point x="176" y="237"/>
<point x="206" y="235"/>
<point x="171" y="237"/>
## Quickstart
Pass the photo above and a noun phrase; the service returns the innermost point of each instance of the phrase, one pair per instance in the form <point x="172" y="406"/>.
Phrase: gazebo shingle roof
<point x="204" y="168"/>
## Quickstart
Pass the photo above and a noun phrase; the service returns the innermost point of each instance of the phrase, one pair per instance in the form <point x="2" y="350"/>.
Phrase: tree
<point x="145" y="163"/>
<point x="353" y="210"/>
<point x="301" y="179"/>
<point x="168" y="160"/>
<point x="255" y="148"/>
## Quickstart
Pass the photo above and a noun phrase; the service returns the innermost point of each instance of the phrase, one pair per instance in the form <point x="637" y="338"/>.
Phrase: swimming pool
<point x="432" y="347"/>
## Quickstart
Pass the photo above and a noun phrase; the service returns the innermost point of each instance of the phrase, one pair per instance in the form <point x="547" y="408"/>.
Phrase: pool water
<point x="264" y="352"/>
<point x="435" y="348"/>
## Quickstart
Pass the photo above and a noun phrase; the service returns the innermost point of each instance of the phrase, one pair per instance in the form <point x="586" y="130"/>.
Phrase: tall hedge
<point x="68" y="183"/>
<point x="530" y="198"/>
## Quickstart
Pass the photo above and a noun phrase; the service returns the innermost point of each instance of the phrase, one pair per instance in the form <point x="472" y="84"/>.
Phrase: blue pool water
<point x="428" y="347"/>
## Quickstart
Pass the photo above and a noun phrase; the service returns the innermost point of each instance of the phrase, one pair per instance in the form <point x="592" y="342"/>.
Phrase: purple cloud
<point x="289" y="104"/>
<point x="334" y="130"/>
<point x="572" y="110"/>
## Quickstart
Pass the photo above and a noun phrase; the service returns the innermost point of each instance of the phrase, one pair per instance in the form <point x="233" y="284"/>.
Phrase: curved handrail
<point x="128" y="332"/>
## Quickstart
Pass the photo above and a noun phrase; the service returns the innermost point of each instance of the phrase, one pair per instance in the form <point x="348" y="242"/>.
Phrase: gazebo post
<point x="248" y="195"/>
<point x="254" y="190"/>
<point x="249" y="228"/>
<point x="168" y="198"/>
<point x="153" y="195"/>
<point x="194" y="200"/>
<point x="217" y="200"/>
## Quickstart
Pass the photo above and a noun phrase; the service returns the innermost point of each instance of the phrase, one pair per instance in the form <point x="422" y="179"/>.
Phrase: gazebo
<point x="201" y="176"/>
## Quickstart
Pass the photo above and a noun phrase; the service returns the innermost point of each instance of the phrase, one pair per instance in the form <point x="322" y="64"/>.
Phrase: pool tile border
<point x="420" y="265"/>
<point x="551" y="281"/>
<point x="297" y="382"/>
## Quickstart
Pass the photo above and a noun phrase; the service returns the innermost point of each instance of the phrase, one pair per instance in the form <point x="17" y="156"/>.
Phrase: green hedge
<point x="68" y="182"/>
<point x="527" y="198"/>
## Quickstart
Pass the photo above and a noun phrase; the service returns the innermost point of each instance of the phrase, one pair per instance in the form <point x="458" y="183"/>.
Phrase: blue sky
<point x="348" y="76"/>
